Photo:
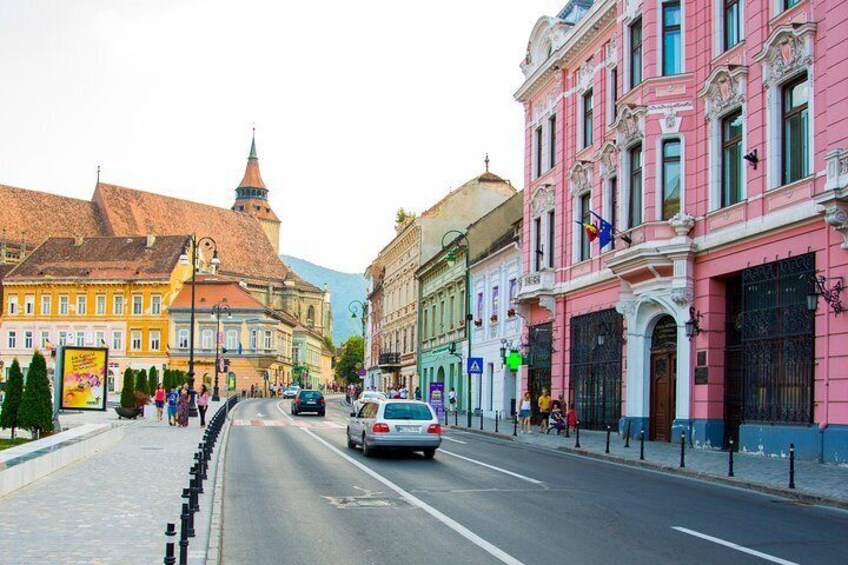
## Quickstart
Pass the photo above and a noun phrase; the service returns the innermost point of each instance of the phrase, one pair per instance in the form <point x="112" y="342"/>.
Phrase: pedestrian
<point x="524" y="413"/>
<point x="203" y="404"/>
<point x="452" y="399"/>
<point x="182" y="407"/>
<point x="571" y="417"/>
<point x="404" y="393"/>
<point x="159" y="398"/>
<point x="172" y="407"/>
<point x="418" y="393"/>
<point x="544" y="404"/>
<point x="556" y="421"/>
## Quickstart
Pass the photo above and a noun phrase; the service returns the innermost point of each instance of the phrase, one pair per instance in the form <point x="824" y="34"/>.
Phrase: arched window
<point x="310" y="315"/>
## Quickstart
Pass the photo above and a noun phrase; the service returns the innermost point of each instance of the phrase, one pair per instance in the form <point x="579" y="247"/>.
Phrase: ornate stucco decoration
<point x="724" y="89"/>
<point x="612" y="52"/>
<point x="585" y="75"/>
<point x="682" y="223"/>
<point x="548" y="303"/>
<point x="608" y="159"/>
<point x="682" y="296"/>
<point x="580" y="176"/>
<point x="834" y="199"/>
<point x="788" y="50"/>
<point x="630" y="124"/>
<point x="543" y="199"/>
<point x="631" y="9"/>
<point x="548" y="35"/>
<point x="626" y="306"/>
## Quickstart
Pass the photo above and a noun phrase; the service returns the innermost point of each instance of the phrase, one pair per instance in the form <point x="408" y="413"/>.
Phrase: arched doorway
<point x="440" y="375"/>
<point x="663" y="378"/>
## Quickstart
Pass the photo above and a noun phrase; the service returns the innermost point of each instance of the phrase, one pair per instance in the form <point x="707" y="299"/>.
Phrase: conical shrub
<point x="128" y="392"/>
<point x="36" y="411"/>
<point x="12" y="400"/>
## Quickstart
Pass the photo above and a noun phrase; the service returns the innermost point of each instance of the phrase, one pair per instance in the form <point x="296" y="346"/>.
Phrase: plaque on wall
<point x="702" y="358"/>
<point x="701" y="375"/>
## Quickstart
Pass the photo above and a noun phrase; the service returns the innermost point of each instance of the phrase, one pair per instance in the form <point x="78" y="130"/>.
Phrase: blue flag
<point x="239" y="348"/>
<point x="605" y="233"/>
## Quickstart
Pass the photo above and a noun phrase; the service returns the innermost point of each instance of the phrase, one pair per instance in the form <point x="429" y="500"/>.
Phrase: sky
<point x="360" y="108"/>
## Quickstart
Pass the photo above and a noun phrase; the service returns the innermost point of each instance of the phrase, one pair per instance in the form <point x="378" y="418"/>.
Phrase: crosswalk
<point x="319" y="424"/>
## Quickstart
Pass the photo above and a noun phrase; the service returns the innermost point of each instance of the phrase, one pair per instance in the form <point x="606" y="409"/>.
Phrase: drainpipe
<point x="826" y="402"/>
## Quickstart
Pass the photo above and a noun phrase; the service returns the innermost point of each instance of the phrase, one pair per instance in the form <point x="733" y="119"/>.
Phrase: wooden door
<point x="663" y="384"/>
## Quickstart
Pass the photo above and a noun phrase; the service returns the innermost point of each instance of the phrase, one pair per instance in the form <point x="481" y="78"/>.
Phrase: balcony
<point x="389" y="361"/>
<point x="534" y="285"/>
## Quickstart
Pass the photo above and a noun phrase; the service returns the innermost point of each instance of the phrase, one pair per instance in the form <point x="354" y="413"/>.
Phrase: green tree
<point x="152" y="380"/>
<point x="350" y="360"/>
<point x="128" y="392"/>
<point x="12" y="401"/>
<point x="141" y="381"/>
<point x="36" y="411"/>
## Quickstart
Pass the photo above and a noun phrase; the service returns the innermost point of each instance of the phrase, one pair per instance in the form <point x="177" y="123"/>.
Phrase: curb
<point x="799" y="496"/>
<point x="216" y="523"/>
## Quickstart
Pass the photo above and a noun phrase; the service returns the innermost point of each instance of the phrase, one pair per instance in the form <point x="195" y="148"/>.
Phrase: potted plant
<point x="510" y="311"/>
<point x="494" y="317"/>
<point x="128" y="408"/>
<point x="478" y="323"/>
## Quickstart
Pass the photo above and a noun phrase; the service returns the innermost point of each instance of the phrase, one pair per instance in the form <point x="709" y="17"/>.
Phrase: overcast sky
<point x="360" y="107"/>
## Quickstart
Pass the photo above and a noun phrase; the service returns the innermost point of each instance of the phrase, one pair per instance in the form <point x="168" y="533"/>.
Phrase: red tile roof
<point x="208" y="293"/>
<point x="35" y="216"/>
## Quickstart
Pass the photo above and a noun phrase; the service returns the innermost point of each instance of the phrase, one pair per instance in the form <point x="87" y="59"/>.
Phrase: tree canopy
<point x="350" y="360"/>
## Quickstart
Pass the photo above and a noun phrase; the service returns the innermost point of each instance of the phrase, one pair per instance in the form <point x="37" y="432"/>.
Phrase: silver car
<point x="367" y="396"/>
<point x="409" y="425"/>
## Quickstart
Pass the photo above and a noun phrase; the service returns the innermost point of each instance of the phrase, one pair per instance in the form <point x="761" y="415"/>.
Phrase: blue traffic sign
<point x="475" y="365"/>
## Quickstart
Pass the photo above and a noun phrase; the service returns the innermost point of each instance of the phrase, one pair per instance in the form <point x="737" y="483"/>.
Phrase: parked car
<point x="365" y="397"/>
<point x="291" y="391"/>
<point x="308" y="401"/>
<point x="409" y="425"/>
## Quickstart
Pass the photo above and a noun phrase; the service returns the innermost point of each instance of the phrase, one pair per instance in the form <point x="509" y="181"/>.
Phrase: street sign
<point x="362" y="372"/>
<point x="475" y="365"/>
<point x="231" y="381"/>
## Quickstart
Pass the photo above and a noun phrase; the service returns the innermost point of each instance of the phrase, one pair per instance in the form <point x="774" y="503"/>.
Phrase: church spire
<point x="251" y="185"/>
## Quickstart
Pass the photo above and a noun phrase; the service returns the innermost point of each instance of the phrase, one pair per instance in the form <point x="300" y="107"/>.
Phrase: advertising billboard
<point x="84" y="378"/>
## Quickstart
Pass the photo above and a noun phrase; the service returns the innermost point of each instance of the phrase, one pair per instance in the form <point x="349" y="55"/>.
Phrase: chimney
<point x="151" y="239"/>
<point x="78" y="239"/>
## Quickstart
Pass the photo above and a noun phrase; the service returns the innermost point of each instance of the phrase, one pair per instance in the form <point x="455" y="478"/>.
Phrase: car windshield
<point x="292" y="388"/>
<point x="310" y="394"/>
<point x="405" y="411"/>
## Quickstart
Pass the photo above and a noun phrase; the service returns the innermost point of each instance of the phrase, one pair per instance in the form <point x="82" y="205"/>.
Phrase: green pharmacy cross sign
<point x="514" y="360"/>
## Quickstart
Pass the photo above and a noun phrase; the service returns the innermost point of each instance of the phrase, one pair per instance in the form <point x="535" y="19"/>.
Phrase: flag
<point x="590" y="229"/>
<point x="605" y="234"/>
<point x="239" y="348"/>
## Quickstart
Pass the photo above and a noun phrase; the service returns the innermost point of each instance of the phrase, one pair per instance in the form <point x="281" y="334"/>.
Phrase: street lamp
<point x="218" y="310"/>
<point x="460" y="243"/>
<point x="362" y="308"/>
<point x="191" y="256"/>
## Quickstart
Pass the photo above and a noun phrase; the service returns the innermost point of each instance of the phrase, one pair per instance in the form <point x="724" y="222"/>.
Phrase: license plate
<point x="310" y="402"/>
<point x="408" y="429"/>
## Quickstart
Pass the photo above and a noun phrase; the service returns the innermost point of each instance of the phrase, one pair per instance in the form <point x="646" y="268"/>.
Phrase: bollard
<point x="456" y="417"/>
<point x="730" y="460"/>
<point x="627" y="435"/>
<point x="170" y="531"/>
<point x="608" y="438"/>
<point x="184" y="535"/>
<point x="481" y="420"/>
<point x="577" y="433"/>
<point x="642" y="444"/>
<point x="682" y="449"/>
<point x="792" y="465"/>
<point x="446" y="419"/>
<point x="515" y="425"/>
<point x="496" y="421"/>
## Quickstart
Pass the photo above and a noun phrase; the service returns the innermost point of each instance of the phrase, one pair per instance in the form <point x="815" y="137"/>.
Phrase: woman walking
<point x="203" y="404"/>
<point x="159" y="398"/>
<point x="525" y="412"/>
<point x="182" y="408"/>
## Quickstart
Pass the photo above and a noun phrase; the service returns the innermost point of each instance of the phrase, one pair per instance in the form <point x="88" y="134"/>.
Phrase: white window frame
<point x="268" y="340"/>
<point x="613" y="218"/>
<point x="624" y="187"/>
<point x="100" y="305"/>
<point x="575" y="243"/>
<point x="232" y="340"/>
<point x="154" y="340"/>
<point x="12" y="339"/>
<point x="118" y="305"/>
<point x="99" y="338"/>
<point x="611" y="104"/>
<point x="46" y="300"/>
<point x="718" y="29"/>
<point x="12" y="305"/>
<point x="64" y="304"/>
<point x="80" y="338"/>
<point x="117" y="340"/>
<point x="81" y="304"/>
<point x="774" y="128"/>
<point x="658" y="174"/>
<point x="136" y="340"/>
<point x="62" y="338"/>
<point x="207" y="339"/>
<point x="661" y="43"/>
<point x="44" y="338"/>
<point x="29" y="304"/>
<point x="28" y="339"/>
<point x="138" y="300"/>
<point x="627" y="51"/>
<point x="581" y="117"/>
<point x="715" y="156"/>
<point x="156" y="304"/>
<point x="182" y="338"/>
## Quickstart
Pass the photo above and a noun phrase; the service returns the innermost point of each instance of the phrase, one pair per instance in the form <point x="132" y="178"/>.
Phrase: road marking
<point x="454" y="440"/>
<point x="486" y="546"/>
<point x="735" y="546"/>
<point x="492" y="467"/>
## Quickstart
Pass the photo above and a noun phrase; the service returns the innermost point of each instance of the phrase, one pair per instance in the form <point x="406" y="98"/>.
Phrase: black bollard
<point x="608" y="438"/>
<point x="481" y="420"/>
<point x="627" y="435"/>
<point x="730" y="460"/>
<point x="641" y="445"/>
<point x="170" y="531"/>
<point x="515" y="425"/>
<point x="682" y="449"/>
<point x="446" y="419"/>
<point x="792" y="465"/>
<point x="577" y="433"/>
<point x="456" y="417"/>
<point x="184" y="535"/>
<point x="496" y="421"/>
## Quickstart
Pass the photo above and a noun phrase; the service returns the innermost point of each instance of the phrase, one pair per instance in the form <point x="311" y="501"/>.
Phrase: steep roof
<point x="252" y="178"/>
<point x="243" y="247"/>
<point x="29" y="214"/>
<point x="486" y="177"/>
<point x="102" y="258"/>
<point x="208" y="293"/>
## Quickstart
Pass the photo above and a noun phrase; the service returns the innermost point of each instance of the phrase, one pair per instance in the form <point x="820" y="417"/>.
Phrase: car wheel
<point x="322" y="414"/>
<point x="294" y="411"/>
<point x="429" y="453"/>
<point x="350" y="443"/>
<point x="367" y="450"/>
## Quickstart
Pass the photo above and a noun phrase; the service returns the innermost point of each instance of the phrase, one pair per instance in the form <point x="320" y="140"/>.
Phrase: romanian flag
<point x="590" y="229"/>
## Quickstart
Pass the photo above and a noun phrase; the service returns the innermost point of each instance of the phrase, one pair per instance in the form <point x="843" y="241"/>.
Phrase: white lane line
<point x="735" y="546"/>
<point x="492" y="467"/>
<point x="454" y="440"/>
<point x="486" y="546"/>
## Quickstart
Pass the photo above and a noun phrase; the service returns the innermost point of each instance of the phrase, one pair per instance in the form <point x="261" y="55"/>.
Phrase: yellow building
<point x="109" y="292"/>
<point x="250" y="340"/>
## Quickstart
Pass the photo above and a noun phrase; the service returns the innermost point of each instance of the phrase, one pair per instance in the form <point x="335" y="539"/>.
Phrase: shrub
<point x="141" y="381"/>
<point x="36" y="411"/>
<point x="152" y="381"/>
<point x="12" y="401"/>
<point x="128" y="392"/>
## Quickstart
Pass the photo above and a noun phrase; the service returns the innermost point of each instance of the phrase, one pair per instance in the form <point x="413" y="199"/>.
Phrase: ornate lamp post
<point x="460" y="242"/>
<point x="191" y="256"/>
<point x="358" y="306"/>
<point x="217" y="311"/>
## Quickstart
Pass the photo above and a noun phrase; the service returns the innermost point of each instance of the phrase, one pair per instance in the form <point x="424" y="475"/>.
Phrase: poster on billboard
<point x="437" y="398"/>
<point x="84" y="378"/>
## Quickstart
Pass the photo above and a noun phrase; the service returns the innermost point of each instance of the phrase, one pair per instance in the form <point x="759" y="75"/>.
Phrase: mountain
<point x="344" y="287"/>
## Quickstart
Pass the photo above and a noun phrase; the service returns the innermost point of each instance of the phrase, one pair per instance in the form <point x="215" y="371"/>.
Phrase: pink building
<point x="714" y="136"/>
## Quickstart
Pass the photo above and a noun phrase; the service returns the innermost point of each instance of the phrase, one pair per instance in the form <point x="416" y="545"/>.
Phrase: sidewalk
<point x="109" y="508"/>
<point x="814" y="482"/>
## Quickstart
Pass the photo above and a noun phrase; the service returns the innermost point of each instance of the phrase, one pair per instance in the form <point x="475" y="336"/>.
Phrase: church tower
<point x="252" y="198"/>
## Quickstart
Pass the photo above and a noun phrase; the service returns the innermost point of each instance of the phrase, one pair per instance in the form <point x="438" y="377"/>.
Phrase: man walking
<point x="544" y="409"/>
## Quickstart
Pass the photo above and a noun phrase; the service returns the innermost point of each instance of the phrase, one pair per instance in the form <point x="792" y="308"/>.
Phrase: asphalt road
<point x="294" y="493"/>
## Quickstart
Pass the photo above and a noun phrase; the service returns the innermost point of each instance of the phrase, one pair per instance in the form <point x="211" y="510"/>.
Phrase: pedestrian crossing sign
<point x="475" y="365"/>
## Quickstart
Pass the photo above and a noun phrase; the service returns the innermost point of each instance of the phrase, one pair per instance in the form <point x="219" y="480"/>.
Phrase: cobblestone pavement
<point x="109" y="508"/>
<point x="750" y="470"/>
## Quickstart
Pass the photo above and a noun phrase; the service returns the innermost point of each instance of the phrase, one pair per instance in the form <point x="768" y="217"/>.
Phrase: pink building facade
<point x="713" y="135"/>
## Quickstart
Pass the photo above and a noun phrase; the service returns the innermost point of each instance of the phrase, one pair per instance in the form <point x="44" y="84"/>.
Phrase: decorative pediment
<point x="585" y="75"/>
<point x="630" y="124"/>
<point x="608" y="158"/>
<point x="580" y="175"/>
<point x="788" y="50"/>
<point x="543" y="199"/>
<point x="548" y="35"/>
<point x="631" y="9"/>
<point x="724" y="89"/>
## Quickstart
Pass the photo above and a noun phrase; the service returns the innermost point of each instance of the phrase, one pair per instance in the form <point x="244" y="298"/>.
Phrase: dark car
<point x="308" y="401"/>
